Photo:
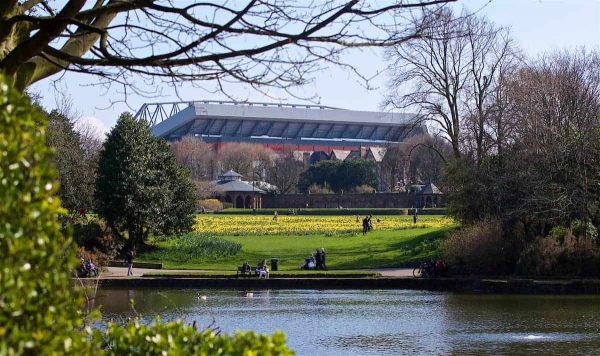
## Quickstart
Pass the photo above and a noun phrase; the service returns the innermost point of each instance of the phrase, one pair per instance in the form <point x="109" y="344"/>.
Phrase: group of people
<point x="262" y="270"/>
<point x="316" y="261"/>
<point x="262" y="267"/>
<point x="367" y="223"/>
<point x="88" y="269"/>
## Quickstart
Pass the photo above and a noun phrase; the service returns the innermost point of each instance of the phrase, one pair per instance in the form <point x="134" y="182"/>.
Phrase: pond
<point x="380" y="322"/>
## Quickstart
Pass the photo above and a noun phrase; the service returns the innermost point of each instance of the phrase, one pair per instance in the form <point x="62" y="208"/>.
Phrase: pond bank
<point x="500" y="286"/>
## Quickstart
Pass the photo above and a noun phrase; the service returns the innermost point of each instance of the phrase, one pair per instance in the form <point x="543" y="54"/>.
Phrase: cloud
<point x="94" y="124"/>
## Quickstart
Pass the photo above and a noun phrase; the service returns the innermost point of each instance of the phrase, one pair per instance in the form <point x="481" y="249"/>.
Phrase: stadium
<point x="307" y="128"/>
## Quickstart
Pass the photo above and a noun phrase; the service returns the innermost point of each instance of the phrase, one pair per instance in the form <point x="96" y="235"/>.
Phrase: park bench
<point x="241" y="272"/>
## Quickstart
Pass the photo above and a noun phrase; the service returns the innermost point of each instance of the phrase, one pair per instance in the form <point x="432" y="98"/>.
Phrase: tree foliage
<point x="175" y="338"/>
<point x="196" y="155"/>
<point x="76" y="166"/>
<point x="420" y="159"/>
<point x="40" y="306"/>
<point x="284" y="173"/>
<point x="340" y="175"/>
<point x="249" y="160"/>
<point x="548" y="172"/>
<point x="140" y="189"/>
<point x="39" y="310"/>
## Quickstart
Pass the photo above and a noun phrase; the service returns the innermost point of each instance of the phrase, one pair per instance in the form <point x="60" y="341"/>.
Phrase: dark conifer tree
<point x="140" y="189"/>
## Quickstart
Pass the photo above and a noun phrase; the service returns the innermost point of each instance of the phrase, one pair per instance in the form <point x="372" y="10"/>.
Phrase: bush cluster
<point x="560" y="254"/>
<point x="175" y="338"/>
<point x="482" y="249"/>
<point x="40" y="307"/>
<point x="210" y="204"/>
<point x="193" y="245"/>
<point x="340" y="175"/>
<point x="95" y="240"/>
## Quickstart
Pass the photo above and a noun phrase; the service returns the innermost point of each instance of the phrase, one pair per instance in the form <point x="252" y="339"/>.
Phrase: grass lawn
<point x="224" y="248"/>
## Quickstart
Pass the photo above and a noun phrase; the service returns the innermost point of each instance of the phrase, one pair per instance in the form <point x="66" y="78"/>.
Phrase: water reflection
<point x="358" y="322"/>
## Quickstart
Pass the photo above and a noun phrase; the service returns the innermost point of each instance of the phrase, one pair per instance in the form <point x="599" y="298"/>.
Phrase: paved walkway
<point x="121" y="272"/>
<point x="394" y="272"/>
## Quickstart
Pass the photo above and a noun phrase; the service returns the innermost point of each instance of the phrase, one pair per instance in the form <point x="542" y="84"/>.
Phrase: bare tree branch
<point x="264" y="43"/>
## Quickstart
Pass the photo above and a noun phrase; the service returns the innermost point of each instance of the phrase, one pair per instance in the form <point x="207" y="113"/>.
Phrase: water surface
<point x="380" y="322"/>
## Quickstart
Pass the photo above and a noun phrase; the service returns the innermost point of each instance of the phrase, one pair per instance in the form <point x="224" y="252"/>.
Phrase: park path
<point x="121" y="272"/>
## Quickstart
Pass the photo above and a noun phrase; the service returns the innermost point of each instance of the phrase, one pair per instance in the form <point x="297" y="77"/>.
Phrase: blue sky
<point x="537" y="25"/>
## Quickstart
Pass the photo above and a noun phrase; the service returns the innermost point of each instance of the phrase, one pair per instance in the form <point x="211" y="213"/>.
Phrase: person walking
<point x="323" y="258"/>
<point x="275" y="215"/>
<point x="365" y="225"/>
<point x="415" y="216"/>
<point x="129" y="262"/>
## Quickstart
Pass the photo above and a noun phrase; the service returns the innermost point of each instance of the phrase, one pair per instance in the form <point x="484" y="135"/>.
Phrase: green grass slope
<point x="378" y="249"/>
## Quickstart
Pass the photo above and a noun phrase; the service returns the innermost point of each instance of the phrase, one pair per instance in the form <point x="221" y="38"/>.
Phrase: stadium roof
<point x="275" y="123"/>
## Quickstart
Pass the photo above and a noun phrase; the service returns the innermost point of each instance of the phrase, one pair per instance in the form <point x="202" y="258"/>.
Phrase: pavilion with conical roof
<point x="239" y="193"/>
<point x="430" y="196"/>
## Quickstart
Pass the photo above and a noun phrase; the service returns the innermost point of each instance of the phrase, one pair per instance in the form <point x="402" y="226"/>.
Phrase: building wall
<point x="378" y="200"/>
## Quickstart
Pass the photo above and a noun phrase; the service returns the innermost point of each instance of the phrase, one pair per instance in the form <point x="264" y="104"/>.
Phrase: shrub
<point x="549" y="256"/>
<point x="320" y="189"/>
<point x="211" y="204"/>
<point x="363" y="189"/>
<point x="99" y="259"/>
<point x="39" y="308"/>
<point x="193" y="245"/>
<point x="558" y="233"/>
<point x="579" y="229"/>
<point x="479" y="249"/>
<point x="227" y="205"/>
<point x="175" y="338"/>
<point x="92" y="234"/>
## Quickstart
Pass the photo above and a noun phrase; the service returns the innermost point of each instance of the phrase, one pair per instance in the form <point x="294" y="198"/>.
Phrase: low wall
<point x="147" y="265"/>
<point x="510" y="286"/>
<point x="336" y="211"/>
<point x="375" y="200"/>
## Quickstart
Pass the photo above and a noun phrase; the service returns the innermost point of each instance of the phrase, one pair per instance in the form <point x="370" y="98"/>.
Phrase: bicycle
<point x="424" y="270"/>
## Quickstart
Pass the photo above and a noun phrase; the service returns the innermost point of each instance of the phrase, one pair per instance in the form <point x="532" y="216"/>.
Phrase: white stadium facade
<point x="303" y="128"/>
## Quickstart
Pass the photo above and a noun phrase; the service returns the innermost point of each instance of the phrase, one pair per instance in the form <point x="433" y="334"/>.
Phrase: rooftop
<point x="304" y="125"/>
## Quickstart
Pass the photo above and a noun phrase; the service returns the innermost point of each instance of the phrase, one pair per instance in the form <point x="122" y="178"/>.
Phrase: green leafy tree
<point x="39" y="309"/>
<point x="324" y="172"/>
<point x="356" y="172"/>
<point x="340" y="175"/>
<point x="140" y="189"/>
<point x="76" y="169"/>
<point x="39" y="303"/>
